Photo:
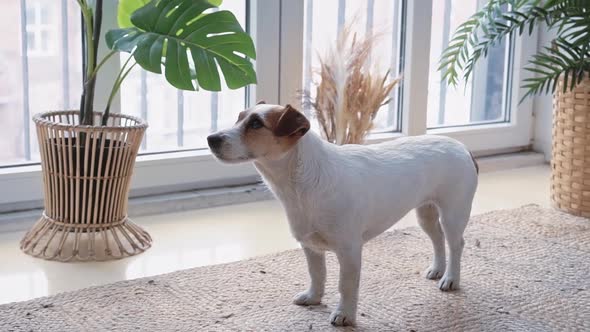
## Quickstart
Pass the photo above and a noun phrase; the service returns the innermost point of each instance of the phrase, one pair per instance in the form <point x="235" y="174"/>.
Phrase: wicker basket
<point x="86" y="176"/>
<point x="570" y="163"/>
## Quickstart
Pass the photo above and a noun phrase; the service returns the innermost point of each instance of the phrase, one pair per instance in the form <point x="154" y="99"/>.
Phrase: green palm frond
<point x="500" y="19"/>
<point x="564" y="59"/>
<point x="483" y="30"/>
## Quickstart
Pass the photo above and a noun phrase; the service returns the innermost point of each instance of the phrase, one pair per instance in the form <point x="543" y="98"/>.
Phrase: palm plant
<point x="565" y="63"/>
<point x="175" y="37"/>
<point x="567" y="57"/>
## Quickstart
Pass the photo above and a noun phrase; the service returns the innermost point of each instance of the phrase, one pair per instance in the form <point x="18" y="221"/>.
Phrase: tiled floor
<point x="219" y="235"/>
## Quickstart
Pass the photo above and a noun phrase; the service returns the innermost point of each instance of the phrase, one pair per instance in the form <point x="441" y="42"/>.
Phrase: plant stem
<point x="101" y="63"/>
<point x="93" y="38"/>
<point x="97" y="29"/>
<point x="116" y="86"/>
<point x="88" y="64"/>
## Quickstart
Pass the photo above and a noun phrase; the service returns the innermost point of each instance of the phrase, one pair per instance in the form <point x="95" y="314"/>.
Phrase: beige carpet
<point x="523" y="270"/>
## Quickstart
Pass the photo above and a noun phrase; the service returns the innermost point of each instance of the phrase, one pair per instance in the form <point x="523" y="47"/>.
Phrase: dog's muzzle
<point x="215" y="141"/>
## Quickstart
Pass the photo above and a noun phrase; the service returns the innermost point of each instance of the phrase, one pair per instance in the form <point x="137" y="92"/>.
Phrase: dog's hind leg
<point x="428" y="220"/>
<point x="454" y="220"/>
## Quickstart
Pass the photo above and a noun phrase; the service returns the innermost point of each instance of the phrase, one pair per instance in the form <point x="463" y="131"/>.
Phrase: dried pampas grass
<point x="349" y="94"/>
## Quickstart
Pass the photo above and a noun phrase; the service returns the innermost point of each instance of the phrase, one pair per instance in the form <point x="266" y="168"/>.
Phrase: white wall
<point x="543" y="107"/>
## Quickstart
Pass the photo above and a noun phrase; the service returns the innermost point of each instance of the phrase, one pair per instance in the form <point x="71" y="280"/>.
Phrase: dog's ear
<point x="260" y="102"/>
<point x="291" y="123"/>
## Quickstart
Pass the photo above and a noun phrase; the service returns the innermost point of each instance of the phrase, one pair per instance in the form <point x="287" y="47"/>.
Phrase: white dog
<point x="339" y="197"/>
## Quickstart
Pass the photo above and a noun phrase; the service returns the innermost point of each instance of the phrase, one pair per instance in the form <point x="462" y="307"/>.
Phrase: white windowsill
<point x="158" y="204"/>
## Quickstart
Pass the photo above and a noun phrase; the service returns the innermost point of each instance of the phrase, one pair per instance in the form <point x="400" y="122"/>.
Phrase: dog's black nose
<point x="214" y="141"/>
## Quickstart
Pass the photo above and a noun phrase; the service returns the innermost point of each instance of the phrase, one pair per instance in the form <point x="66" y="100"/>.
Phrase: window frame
<point x="174" y="171"/>
<point x="280" y="74"/>
<point x="517" y="132"/>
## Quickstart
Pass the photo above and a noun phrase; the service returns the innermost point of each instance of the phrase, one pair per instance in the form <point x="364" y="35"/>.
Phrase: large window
<point x="40" y="70"/>
<point x="484" y="99"/>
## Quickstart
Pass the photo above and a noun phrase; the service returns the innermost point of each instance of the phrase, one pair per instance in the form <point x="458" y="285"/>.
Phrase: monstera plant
<point x="88" y="155"/>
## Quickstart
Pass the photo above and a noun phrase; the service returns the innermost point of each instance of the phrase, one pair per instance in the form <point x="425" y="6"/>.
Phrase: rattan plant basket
<point x="570" y="162"/>
<point x="86" y="176"/>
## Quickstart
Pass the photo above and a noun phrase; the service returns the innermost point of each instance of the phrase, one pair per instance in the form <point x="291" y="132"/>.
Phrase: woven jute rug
<point x="526" y="269"/>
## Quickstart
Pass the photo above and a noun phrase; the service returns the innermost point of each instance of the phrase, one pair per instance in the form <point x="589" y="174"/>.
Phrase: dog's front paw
<point x="434" y="273"/>
<point x="307" y="298"/>
<point x="448" y="283"/>
<point x="340" y="318"/>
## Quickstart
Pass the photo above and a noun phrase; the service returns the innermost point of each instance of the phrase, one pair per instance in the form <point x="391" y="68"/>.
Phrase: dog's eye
<point x="255" y="124"/>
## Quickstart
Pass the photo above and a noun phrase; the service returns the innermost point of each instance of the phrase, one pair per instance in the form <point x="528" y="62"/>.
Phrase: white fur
<point x="339" y="197"/>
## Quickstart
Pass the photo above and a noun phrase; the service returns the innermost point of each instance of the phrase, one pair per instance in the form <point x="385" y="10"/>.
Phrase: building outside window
<point x="41" y="28"/>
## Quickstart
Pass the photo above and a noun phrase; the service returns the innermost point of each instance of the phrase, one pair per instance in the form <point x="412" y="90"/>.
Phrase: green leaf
<point x="125" y="9"/>
<point x="565" y="60"/>
<point x="497" y="20"/>
<point x="186" y="40"/>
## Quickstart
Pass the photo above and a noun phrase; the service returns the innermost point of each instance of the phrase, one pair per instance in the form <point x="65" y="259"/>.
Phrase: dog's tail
<point x="474" y="162"/>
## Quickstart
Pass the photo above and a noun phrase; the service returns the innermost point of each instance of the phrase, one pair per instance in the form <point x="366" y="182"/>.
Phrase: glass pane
<point x="46" y="41"/>
<point x="31" y="84"/>
<point x="31" y="12"/>
<point x="31" y="42"/>
<point x="323" y="20"/>
<point x="181" y="120"/>
<point x="45" y="13"/>
<point x="483" y="98"/>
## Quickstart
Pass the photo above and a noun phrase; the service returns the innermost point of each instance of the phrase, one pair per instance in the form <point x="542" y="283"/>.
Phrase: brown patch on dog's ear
<point x="260" y="102"/>
<point x="291" y="123"/>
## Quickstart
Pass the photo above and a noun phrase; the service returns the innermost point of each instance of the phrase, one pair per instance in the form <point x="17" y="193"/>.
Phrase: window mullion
<point x="416" y="68"/>
<point x="291" y="54"/>
<point x="25" y="80"/>
<point x="264" y="27"/>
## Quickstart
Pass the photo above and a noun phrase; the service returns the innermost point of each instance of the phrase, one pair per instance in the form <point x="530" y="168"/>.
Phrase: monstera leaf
<point x="189" y="44"/>
<point x="125" y="9"/>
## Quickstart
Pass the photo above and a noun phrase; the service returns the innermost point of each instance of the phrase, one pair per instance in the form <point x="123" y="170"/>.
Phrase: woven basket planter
<point x="86" y="176"/>
<point x="570" y="162"/>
